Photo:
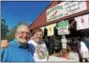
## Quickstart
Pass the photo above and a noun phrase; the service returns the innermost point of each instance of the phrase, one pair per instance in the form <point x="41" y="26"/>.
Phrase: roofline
<point x="41" y="13"/>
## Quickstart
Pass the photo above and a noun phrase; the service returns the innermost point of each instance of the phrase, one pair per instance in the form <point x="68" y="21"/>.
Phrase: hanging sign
<point x="63" y="27"/>
<point x="82" y="22"/>
<point x="50" y="29"/>
<point x="74" y="7"/>
<point x="54" y="13"/>
<point x="65" y="9"/>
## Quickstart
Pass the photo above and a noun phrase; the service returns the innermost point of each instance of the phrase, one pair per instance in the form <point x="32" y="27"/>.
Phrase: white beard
<point x="22" y="40"/>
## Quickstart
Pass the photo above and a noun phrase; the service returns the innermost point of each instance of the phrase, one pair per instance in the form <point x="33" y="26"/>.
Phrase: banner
<point x="74" y="7"/>
<point x="54" y="12"/>
<point x="50" y="29"/>
<point x="65" y="9"/>
<point x="82" y="22"/>
<point x="63" y="27"/>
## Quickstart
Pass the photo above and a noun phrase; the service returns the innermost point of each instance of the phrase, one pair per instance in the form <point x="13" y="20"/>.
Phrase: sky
<point x="15" y="11"/>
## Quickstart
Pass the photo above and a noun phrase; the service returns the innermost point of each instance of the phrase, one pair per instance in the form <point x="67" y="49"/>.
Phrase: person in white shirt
<point x="84" y="51"/>
<point x="38" y="47"/>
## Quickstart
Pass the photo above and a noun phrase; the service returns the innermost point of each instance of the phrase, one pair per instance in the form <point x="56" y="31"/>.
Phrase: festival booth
<point x="65" y="27"/>
<point x="72" y="28"/>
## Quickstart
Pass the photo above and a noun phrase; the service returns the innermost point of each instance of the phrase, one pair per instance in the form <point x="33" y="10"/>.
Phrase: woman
<point x="38" y="46"/>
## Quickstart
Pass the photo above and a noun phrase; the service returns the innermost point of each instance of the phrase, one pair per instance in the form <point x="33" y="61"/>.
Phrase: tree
<point x="4" y="29"/>
<point x="10" y="35"/>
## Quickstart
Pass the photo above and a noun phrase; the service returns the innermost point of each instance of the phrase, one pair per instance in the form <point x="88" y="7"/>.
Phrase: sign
<point x="50" y="29"/>
<point x="63" y="27"/>
<point x="63" y="23"/>
<point x="82" y="22"/>
<point x="65" y="9"/>
<point x="74" y="7"/>
<point x="54" y="13"/>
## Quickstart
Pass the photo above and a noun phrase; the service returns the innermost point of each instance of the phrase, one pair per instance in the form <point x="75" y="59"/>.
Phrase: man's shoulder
<point x="6" y="49"/>
<point x="10" y="45"/>
<point x="12" y="42"/>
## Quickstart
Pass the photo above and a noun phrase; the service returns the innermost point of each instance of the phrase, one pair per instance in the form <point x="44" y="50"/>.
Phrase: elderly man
<point x="18" y="50"/>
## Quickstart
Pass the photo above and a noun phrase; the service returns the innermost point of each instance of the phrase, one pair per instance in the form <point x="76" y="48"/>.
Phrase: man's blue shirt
<point x="16" y="53"/>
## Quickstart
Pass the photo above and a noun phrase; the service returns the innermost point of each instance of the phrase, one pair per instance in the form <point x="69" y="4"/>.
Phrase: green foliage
<point x="10" y="35"/>
<point x="4" y="29"/>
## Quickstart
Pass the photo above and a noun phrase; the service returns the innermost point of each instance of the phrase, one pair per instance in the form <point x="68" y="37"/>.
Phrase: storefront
<point x="65" y="23"/>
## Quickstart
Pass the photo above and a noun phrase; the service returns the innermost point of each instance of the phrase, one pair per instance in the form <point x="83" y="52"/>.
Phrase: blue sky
<point x="15" y="11"/>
